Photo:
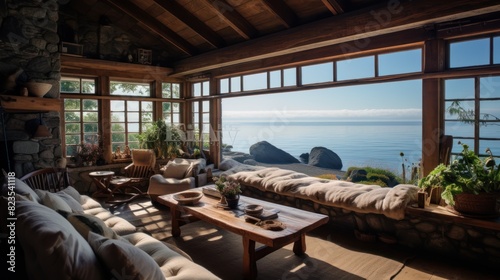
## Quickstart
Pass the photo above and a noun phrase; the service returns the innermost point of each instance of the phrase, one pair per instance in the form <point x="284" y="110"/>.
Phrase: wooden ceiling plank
<point x="192" y="22"/>
<point x="334" y="6"/>
<point x="152" y="24"/>
<point x="357" y="26"/>
<point x="281" y="10"/>
<point x="229" y="14"/>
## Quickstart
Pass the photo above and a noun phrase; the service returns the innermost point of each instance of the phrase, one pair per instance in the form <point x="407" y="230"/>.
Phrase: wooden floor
<point x="331" y="253"/>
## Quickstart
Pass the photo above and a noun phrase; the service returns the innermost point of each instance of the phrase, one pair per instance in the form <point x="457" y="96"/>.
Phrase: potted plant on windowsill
<point x="471" y="185"/>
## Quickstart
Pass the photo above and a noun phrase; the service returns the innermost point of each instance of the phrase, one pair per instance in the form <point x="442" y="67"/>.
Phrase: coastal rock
<point x="323" y="157"/>
<point x="304" y="158"/>
<point x="265" y="152"/>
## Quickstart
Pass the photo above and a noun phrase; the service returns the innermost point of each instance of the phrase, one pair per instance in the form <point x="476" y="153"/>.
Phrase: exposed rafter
<point x="282" y="12"/>
<point x="152" y="24"/>
<point x="227" y="13"/>
<point x="192" y="22"/>
<point x="334" y="6"/>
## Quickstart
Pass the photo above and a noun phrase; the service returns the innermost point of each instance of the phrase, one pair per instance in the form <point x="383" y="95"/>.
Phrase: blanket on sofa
<point x="361" y="198"/>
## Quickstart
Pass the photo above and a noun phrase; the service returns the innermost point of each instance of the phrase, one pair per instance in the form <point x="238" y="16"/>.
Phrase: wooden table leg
<point x="176" y="227"/>
<point x="249" y="259"/>
<point x="299" y="246"/>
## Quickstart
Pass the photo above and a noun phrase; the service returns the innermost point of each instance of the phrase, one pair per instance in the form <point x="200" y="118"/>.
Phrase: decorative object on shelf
<point x="229" y="189"/>
<point x="144" y="56"/>
<point x="188" y="197"/>
<point x="468" y="176"/>
<point x="38" y="89"/>
<point x="37" y="128"/>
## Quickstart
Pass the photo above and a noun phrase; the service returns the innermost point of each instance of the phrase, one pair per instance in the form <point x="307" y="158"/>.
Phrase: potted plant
<point x="229" y="189"/>
<point x="163" y="138"/>
<point x="470" y="184"/>
<point x="88" y="153"/>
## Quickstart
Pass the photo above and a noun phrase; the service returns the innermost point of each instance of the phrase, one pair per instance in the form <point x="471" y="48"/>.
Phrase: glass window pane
<point x="176" y="106"/>
<point x="275" y="79"/>
<point x="206" y="88"/>
<point x="72" y="116"/>
<point x="73" y="128"/>
<point x="176" y="90"/>
<point x="147" y="117"/>
<point x="290" y="77"/>
<point x="133" y="137"/>
<point x="71" y="104"/>
<point x="132" y="105"/>
<point x="459" y="110"/>
<point x="255" y="81"/>
<point x="459" y="88"/>
<point x="166" y="106"/>
<point x="490" y="130"/>
<point x="196" y="107"/>
<point x="166" y="90"/>
<point x="493" y="145"/>
<point x="133" y="145"/>
<point x="90" y="105"/>
<point x="317" y="73"/>
<point x="70" y="85"/>
<point x="490" y="111"/>
<point x="235" y="84"/>
<point x="133" y="127"/>
<point x="118" y="137"/>
<point x="197" y="89"/>
<point x="470" y="53"/>
<point x="400" y="62"/>
<point x="118" y="127"/>
<point x="130" y="89"/>
<point x="459" y="129"/>
<point x="175" y="119"/>
<point x="88" y="86"/>
<point x="206" y="106"/>
<point x="147" y="106"/>
<point x="71" y="150"/>
<point x="356" y="68"/>
<point x="224" y="85"/>
<point x="167" y="118"/>
<point x="90" y="117"/>
<point x="117" y="117"/>
<point x="117" y="105"/>
<point x="132" y="117"/>
<point x="72" y="139"/>
<point x="496" y="50"/>
<point x="490" y="87"/>
<point x="90" y="127"/>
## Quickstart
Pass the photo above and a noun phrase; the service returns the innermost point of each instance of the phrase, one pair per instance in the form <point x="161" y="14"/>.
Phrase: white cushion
<point x="75" y="206"/>
<point x="85" y="223"/>
<point x="124" y="260"/>
<point x="53" y="249"/>
<point x="53" y="201"/>
<point x="175" y="170"/>
<point x="73" y="193"/>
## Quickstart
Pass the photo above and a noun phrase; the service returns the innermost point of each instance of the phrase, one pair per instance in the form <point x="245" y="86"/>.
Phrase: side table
<point x="102" y="179"/>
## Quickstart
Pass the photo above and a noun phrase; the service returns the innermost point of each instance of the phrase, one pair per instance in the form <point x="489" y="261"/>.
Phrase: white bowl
<point x="38" y="89"/>
<point x="188" y="198"/>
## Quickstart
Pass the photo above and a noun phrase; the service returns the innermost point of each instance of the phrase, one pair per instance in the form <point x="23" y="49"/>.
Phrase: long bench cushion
<point x="361" y="198"/>
<point x="53" y="249"/>
<point x="173" y="264"/>
<point x="118" y="224"/>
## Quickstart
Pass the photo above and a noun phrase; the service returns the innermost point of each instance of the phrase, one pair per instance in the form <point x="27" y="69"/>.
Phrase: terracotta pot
<point x="477" y="204"/>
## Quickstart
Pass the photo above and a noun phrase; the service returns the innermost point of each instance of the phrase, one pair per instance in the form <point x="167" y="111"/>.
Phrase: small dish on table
<point x="254" y="210"/>
<point x="188" y="197"/>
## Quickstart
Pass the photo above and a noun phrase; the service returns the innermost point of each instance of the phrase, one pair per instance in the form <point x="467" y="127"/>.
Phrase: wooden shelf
<point x="12" y="103"/>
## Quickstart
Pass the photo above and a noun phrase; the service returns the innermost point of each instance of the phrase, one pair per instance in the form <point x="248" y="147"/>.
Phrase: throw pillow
<point x="86" y="223"/>
<point x="53" y="249"/>
<point x="73" y="192"/>
<point x="23" y="189"/>
<point x="175" y="170"/>
<point x="53" y="201"/>
<point x="75" y="206"/>
<point x="123" y="260"/>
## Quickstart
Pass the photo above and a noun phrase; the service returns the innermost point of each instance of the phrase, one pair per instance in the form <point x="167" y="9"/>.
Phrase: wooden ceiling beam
<point x="152" y="24"/>
<point x="281" y="10"/>
<point x="229" y="15"/>
<point x="334" y="6"/>
<point x="192" y="22"/>
<point x="357" y="27"/>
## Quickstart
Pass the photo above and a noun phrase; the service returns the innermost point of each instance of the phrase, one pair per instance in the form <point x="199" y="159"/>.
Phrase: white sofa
<point x="65" y="235"/>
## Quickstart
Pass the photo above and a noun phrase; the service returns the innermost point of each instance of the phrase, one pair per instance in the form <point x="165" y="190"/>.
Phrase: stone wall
<point x="29" y="52"/>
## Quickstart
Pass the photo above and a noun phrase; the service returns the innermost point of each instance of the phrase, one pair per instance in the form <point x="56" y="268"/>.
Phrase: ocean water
<point x="357" y="143"/>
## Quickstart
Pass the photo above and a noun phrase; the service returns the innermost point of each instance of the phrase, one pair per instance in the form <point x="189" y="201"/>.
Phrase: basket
<point x="477" y="204"/>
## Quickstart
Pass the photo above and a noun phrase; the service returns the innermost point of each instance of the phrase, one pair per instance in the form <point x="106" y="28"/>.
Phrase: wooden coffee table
<point x="298" y="223"/>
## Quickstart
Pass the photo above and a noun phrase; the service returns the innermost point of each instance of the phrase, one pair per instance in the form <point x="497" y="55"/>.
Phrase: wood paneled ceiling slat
<point x="335" y="6"/>
<point x="286" y="15"/>
<point x="227" y="13"/>
<point x="192" y="22"/>
<point x="152" y="24"/>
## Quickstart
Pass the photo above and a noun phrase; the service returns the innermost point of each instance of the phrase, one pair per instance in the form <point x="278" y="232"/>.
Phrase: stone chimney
<point x="29" y="52"/>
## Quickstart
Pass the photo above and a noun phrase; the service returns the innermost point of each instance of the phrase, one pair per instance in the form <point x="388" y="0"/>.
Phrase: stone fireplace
<point x="29" y="52"/>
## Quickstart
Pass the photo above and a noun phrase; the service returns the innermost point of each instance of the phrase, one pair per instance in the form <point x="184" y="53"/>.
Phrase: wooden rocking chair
<point x="48" y="179"/>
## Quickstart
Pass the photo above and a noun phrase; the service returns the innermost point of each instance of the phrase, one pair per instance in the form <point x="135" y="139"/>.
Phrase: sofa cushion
<point x="73" y="193"/>
<point x="118" y="224"/>
<point x="23" y="189"/>
<point x="75" y="206"/>
<point x="173" y="262"/>
<point x="85" y="223"/>
<point x="124" y="260"/>
<point x="53" y="201"/>
<point x="53" y="249"/>
<point x="176" y="170"/>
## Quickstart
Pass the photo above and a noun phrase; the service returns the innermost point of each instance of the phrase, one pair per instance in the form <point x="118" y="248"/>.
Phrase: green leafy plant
<point x="467" y="174"/>
<point x="228" y="188"/>
<point x="165" y="139"/>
